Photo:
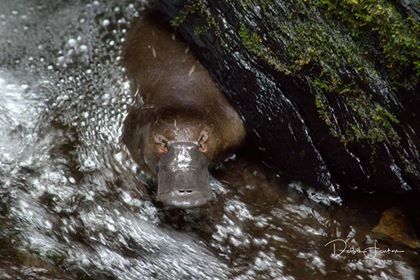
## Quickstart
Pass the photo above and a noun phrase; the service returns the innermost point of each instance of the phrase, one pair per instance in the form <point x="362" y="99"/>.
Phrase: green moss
<point x="251" y="40"/>
<point x="253" y="43"/>
<point x="313" y="42"/>
<point x="374" y="124"/>
<point x="326" y="115"/>
<point x="398" y="37"/>
<point x="197" y="7"/>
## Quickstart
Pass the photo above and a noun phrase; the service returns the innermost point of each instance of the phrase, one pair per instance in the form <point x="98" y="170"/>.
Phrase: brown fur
<point x="178" y="95"/>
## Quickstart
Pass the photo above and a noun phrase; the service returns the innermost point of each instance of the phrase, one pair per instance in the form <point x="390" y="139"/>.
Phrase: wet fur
<point x="177" y="92"/>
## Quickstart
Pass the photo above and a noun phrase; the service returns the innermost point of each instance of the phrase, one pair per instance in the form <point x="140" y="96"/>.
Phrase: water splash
<point x="73" y="203"/>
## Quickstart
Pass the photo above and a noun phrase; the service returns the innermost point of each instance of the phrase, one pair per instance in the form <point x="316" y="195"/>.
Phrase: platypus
<point x="183" y="124"/>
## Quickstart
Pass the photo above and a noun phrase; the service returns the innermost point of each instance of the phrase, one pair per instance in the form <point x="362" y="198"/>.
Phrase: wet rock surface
<point x="74" y="205"/>
<point x="395" y="225"/>
<point x="328" y="89"/>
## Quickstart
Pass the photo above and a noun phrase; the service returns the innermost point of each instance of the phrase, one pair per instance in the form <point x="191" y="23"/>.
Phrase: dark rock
<point x="327" y="90"/>
<point x="396" y="226"/>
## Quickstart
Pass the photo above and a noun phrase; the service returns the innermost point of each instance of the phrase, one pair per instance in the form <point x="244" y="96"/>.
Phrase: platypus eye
<point x="202" y="139"/>
<point x="202" y="147"/>
<point x="162" y="142"/>
<point x="163" y="149"/>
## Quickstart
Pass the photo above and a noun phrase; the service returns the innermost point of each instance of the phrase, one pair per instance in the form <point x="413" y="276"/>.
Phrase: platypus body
<point x="184" y="124"/>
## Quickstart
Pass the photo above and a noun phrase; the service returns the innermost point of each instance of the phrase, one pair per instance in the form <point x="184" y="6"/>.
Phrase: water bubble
<point x="72" y="42"/>
<point x="83" y="48"/>
<point x="106" y="22"/>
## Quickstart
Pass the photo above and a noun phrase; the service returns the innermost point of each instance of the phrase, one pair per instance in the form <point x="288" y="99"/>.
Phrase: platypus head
<point x="183" y="176"/>
<point x="180" y="155"/>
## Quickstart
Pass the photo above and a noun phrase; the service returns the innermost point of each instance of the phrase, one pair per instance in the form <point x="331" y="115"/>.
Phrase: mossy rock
<point x="331" y="86"/>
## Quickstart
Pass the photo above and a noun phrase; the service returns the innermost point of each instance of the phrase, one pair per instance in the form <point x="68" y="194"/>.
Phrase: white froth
<point x="182" y="158"/>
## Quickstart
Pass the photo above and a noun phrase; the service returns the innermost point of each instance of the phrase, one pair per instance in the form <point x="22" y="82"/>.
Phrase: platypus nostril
<point x="183" y="191"/>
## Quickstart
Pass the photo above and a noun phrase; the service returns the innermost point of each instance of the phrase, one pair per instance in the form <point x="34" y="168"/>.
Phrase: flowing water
<point x="73" y="204"/>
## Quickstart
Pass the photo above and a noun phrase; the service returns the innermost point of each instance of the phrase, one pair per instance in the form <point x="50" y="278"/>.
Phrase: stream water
<point x="73" y="205"/>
